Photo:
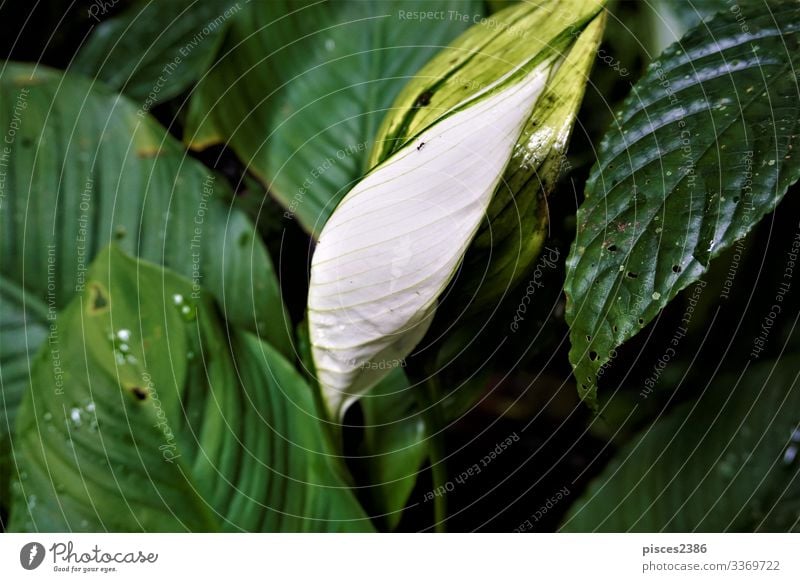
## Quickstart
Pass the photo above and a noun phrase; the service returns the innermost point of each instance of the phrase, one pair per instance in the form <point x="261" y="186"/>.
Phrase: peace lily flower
<point x="397" y="238"/>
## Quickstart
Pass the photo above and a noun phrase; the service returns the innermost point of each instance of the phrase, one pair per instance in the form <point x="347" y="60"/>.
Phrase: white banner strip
<point x="400" y="557"/>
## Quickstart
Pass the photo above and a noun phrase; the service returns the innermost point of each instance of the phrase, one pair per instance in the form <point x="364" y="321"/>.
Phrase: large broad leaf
<point x="158" y="419"/>
<point x="80" y="168"/>
<point x="703" y="148"/>
<point x="156" y="50"/>
<point x="84" y="167"/>
<point x="300" y="88"/>
<point x="727" y="462"/>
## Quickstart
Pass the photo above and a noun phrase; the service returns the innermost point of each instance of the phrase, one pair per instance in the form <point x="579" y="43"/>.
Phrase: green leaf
<point x="160" y="419"/>
<point x="677" y="17"/>
<point x="395" y="443"/>
<point x="84" y="168"/>
<point x="299" y="89"/>
<point x="21" y="333"/>
<point x="702" y="149"/>
<point x="156" y="50"/>
<point x="727" y="462"/>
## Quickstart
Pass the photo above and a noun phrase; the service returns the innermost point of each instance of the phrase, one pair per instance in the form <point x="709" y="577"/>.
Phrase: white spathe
<point x="397" y="238"/>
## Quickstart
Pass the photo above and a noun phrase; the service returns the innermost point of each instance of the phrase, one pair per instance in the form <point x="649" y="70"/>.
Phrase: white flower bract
<point x="397" y="238"/>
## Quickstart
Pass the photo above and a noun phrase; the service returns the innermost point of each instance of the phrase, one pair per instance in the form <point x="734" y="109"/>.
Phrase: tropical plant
<point x="403" y="265"/>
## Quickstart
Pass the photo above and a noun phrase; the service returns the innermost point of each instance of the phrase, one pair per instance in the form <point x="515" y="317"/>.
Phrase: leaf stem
<point x="437" y="454"/>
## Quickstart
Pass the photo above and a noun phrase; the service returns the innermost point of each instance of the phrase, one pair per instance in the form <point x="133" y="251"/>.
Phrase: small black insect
<point x="421" y="145"/>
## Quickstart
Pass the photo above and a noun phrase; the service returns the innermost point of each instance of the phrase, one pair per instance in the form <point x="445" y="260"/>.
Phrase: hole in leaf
<point x="676" y="268"/>
<point x="98" y="299"/>
<point x="612" y="248"/>
<point x="641" y="321"/>
<point x="593" y="356"/>
<point x="632" y="275"/>
<point x="138" y="392"/>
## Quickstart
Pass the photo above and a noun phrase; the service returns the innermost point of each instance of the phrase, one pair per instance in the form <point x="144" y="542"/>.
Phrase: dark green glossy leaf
<point x="300" y="88"/>
<point x="157" y="418"/>
<point x="727" y="462"/>
<point x="703" y="148"/>
<point x="156" y="50"/>
<point x="679" y="16"/>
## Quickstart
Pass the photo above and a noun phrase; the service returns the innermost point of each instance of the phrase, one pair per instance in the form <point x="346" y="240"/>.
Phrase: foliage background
<point x="722" y="439"/>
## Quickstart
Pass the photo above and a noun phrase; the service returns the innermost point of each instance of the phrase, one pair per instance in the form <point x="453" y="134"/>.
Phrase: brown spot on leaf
<point x="423" y="100"/>
<point x="149" y="152"/>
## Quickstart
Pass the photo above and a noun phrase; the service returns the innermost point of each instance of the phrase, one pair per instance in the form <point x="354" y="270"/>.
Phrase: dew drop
<point x="187" y="310"/>
<point x="790" y="454"/>
<point x="75" y="417"/>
